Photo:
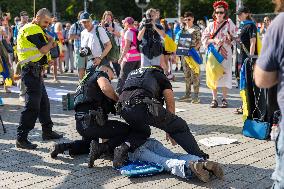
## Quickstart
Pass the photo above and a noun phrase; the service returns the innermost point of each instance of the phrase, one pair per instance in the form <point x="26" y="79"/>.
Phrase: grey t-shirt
<point x="272" y="55"/>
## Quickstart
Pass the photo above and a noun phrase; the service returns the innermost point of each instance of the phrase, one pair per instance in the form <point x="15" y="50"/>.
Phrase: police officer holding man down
<point x="141" y="104"/>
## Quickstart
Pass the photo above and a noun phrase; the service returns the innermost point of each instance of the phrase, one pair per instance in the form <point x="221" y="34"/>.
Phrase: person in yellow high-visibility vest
<point x="33" y="47"/>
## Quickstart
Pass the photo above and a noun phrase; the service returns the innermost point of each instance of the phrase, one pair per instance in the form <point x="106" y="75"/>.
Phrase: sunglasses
<point x="219" y="12"/>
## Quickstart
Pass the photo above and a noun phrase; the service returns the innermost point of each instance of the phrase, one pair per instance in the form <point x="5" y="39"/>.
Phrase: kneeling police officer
<point x="94" y="100"/>
<point x="141" y="105"/>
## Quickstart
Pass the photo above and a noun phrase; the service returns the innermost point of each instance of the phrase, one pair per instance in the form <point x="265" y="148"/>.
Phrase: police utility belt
<point x="152" y="104"/>
<point x="34" y="67"/>
<point x="97" y="116"/>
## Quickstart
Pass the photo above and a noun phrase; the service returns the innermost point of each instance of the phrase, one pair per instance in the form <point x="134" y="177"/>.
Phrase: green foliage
<point x="69" y="9"/>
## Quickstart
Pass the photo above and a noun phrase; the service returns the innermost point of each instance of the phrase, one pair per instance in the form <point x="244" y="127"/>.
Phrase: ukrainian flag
<point x="4" y="65"/>
<point x="244" y="91"/>
<point x="214" y="68"/>
<point x="193" y="60"/>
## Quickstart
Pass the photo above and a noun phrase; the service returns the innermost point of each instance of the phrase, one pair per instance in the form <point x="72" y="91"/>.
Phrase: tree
<point x="69" y="9"/>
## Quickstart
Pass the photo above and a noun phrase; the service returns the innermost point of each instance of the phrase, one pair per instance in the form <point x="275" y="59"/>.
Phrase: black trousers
<point x="126" y="68"/>
<point x="115" y="131"/>
<point x="140" y="120"/>
<point x="37" y="103"/>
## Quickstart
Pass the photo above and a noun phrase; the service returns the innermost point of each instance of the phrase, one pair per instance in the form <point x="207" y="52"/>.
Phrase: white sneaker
<point x="22" y="99"/>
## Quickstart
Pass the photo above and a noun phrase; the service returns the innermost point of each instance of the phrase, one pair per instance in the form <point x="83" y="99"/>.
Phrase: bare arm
<point x="126" y="48"/>
<point x="51" y="43"/>
<point x="141" y="34"/>
<point x="252" y="46"/>
<point x="169" y="99"/>
<point x="264" y="79"/>
<point x="107" y="88"/>
<point x="160" y="32"/>
<point x="107" y="46"/>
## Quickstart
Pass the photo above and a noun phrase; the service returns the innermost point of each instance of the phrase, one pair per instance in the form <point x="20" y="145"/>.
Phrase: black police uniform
<point x="140" y="112"/>
<point x="37" y="102"/>
<point x="89" y="97"/>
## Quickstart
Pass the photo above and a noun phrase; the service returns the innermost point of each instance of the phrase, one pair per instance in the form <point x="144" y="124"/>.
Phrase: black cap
<point x="242" y="10"/>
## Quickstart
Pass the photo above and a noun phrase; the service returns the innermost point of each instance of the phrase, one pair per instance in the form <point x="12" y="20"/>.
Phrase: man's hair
<point x="149" y="11"/>
<point x="79" y="14"/>
<point x="102" y="67"/>
<point x="43" y="12"/>
<point x="279" y="5"/>
<point x="188" y="14"/>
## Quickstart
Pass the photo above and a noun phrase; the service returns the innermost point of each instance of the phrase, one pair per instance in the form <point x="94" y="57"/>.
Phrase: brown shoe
<point x="215" y="168"/>
<point x="198" y="169"/>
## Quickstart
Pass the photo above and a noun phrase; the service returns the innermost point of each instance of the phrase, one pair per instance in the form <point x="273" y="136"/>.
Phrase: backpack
<point x="138" y="43"/>
<point x="113" y="54"/>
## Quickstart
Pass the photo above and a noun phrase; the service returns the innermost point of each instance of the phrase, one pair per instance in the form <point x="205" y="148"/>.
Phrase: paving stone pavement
<point x="247" y="164"/>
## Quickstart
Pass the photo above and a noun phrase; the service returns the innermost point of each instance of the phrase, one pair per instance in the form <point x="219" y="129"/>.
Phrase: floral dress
<point x="228" y="28"/>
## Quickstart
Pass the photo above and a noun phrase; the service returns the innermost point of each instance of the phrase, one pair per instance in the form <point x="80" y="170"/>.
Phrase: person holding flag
<point x="220" y="33"/>
<point x="191" y="67"/>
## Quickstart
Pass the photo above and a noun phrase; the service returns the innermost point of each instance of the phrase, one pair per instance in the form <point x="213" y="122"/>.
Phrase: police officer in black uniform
<point x="37" y="102"/>
<point x="94" y="100"/>
<point x="141" y="104"/>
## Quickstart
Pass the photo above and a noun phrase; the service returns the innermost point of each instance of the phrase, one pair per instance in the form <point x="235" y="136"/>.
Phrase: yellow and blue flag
<point x="214" y="68"/>
<point x="244" y="91"/>
<point x="193" y="60"/>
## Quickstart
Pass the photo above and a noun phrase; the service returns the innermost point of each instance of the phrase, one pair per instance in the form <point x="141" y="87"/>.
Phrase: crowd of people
<point x="136" y="52"/>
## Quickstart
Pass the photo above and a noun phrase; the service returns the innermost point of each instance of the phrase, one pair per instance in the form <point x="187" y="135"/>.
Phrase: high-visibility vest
<point x="27" y="51"/>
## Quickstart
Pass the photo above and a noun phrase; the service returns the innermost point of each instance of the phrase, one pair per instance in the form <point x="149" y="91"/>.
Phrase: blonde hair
<point x="106" y="13"/>
<point x="58" y="27"/>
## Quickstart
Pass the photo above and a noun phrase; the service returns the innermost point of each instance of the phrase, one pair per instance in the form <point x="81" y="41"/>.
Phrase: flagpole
<point x="34" y="8"/>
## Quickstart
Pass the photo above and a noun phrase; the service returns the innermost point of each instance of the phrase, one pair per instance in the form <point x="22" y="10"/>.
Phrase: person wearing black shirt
<point x="247" y="45"/>
<point x="94" y="100"/>
<point x="150" y="33"/>
<point x="141" y="104"/>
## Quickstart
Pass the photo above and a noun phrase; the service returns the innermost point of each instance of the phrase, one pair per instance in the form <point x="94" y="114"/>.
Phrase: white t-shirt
<point x="89" y="39"/>
<point x="129" y="35"/>
<point x="117" y="28"/>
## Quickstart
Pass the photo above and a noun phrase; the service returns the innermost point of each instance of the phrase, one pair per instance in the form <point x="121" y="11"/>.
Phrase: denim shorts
<point x="278" y="175"/>
<point x="145" y="61"/>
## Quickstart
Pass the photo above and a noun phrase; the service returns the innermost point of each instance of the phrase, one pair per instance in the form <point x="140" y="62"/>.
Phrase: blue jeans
<point x="154" y="151"/>
<point x="278" y="175"/>
<point x="145" y="61"/>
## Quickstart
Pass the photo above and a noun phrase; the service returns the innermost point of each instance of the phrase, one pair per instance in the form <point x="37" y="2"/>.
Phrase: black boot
<point x="25" y="144"/>
<point x="204" y="155"/>
<point x="49" y="135"/>
<point x="59" y="149"/>
<point x="120" y="155"/>
<point x="96" y="150"/>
